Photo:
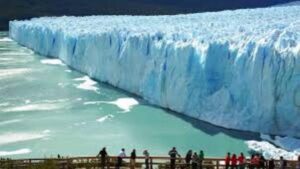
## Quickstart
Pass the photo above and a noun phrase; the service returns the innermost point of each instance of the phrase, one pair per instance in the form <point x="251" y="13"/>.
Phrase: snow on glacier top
<point x="232" y="26"/>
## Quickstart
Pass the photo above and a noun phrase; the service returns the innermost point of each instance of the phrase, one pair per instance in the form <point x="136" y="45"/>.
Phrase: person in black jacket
<point x="188" y="158"/>
<point x="271" y="164"/>
<point x="262" y="161"/>
<point x="173" y="154"/>
<point x="132" y="159"/>
<point x="103" y="157"/>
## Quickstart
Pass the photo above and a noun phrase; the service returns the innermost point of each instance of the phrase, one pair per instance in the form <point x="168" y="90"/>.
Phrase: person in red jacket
<point x="233" y="162"/>
<point x="227" y="161"/>
<point x="254" y="162"/>
<point x="242" y="161"/>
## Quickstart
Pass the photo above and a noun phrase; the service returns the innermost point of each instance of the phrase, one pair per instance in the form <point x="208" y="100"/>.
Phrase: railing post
<point x="108" y="162"/>
<point x="151" y="163"/>
<point x="68" y="163"/>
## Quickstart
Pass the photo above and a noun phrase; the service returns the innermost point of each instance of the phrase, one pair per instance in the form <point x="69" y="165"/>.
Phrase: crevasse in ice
<point x="237" y="69"/>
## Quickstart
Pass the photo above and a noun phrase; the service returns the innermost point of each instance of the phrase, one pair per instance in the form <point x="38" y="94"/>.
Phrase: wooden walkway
<point x="94" y="163"/>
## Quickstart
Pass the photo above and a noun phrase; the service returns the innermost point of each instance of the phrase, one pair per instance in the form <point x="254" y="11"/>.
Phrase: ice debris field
<point x="237" y="69"/>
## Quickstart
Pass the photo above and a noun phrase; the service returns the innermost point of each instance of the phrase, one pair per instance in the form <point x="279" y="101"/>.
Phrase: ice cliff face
<point x="237" y="69"/>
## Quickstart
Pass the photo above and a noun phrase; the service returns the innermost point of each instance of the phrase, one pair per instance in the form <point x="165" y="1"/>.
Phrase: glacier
<point x="236" y="69"/>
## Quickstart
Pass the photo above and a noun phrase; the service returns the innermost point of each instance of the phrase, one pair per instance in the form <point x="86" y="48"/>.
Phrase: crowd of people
<point x="103" y="157"/>
<point x="194" y="160"/>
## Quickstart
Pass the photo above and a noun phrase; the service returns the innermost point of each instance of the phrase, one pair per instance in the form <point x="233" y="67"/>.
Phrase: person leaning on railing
<point x="195" y="161"/>
<point x="282" y="163"/>
<point x="227" y="161"/>
<point x="201" y="158"/>
<point x="242" y="161"/>
<point x="121" y="155"/>
<point x="173" y="154"/>
<point x="147" y="158"/>
<point x="262" y="161"/>
<point x="188" y="158"/>
<point x="132" y="159"/>
<point x="233" y="162"/>
<point x="254" y="161"/>
<point x="103" y="157"/>
<point x="271" y="164"/>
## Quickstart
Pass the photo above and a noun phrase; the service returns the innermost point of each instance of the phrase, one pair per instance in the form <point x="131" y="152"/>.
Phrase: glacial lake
<point x="46" y="108"/>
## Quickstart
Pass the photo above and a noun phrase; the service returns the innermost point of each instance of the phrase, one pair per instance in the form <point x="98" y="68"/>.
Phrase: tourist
<point x="252" y="163"/>
<point x="298" y="162"/>
<point x="233" y="162"/>
<point x="132" y="159"/>
<point x="195" y="161"/>
<point x="262" y="161"/>
<point x="121" y="155"/>
<point x="173" y="154"/>
<point x="201" y="158"/>
<point x="147" y="157"/>
<point x="282" y="163"/>
<point x="271" y="164"/>
<point x="103" y="157"/>
<point x="188" y="158"/>
<point x="227" y="161"/>
<point x="242" y="161"/>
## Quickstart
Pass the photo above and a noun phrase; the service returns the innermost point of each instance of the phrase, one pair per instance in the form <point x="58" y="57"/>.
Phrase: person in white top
<point x="121" y="155"/>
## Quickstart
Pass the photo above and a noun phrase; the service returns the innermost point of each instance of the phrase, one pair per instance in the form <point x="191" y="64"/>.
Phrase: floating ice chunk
<point x="61" y="85"/>
<point x="52" y="62"/>
<point x="46" y="131"/>
<point x="270" y="151"/>
<point x="15" y="152"/>
<point x="9" y="122"/>
<point x="126" y="104"/>
<point x="87" y="84"/>
<point x="6" y="59"/>
<point x="7" y="138"/>
<point x="4" y="104"/>
<point x="5" y="40"/>
<point x="33" y="107"/>
<point x="107" y="117"/>
<point x="20" y="53"/>
<point x="80" y="124"/>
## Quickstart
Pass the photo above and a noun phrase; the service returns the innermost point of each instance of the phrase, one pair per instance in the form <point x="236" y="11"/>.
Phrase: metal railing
<point x="111" y="163"/>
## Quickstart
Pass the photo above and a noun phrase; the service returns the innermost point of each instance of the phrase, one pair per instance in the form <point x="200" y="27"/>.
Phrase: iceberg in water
<point x="237" y="69"/>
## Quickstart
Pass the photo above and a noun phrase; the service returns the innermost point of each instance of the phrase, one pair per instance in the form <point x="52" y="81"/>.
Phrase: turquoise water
<point x="46" y="108"/>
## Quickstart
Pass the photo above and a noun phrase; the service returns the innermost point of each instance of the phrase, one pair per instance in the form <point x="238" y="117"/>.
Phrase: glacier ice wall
<point x="237" y="69"/>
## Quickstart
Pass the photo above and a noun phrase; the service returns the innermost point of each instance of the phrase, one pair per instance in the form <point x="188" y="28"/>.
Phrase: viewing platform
<point x="92" y="162"/>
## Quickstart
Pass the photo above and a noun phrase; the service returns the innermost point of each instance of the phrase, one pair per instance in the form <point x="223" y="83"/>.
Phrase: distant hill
<point x="23" y="9"/>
